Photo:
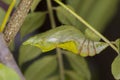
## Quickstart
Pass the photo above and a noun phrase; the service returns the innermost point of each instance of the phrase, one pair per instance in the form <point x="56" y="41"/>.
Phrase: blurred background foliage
<point x="103" y="15"/>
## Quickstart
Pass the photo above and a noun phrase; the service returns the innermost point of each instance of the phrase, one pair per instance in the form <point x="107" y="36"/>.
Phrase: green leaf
<point x="94" y="11"/>
<point x="75" y="4"/>
<point x="117" y="43"/>
<point x="81" y="7"/>
<point x="91" y="35"/>
<point x="79" y="65"/>
<point x="85" y="8"/>
<point x="66" y="18"/>
<point x="68" y="38"/>
<point x="10" y="1"/>
<point x="7" y="1"/>
<point x="72" y="75"/>
<point x="2" y="14"/>
<point x="116" y="68"/>
<point x="27" y="53"/>
<point x="54" y="77"/>
<point x="41" y="68"/>
<point x="32" y="22"/>
<point x="7" y="73"/>
<point x="97" y="16"/>
<point x="69" y="75"/>
<point x="34" y="4"/>
<point x="91" y="11"/>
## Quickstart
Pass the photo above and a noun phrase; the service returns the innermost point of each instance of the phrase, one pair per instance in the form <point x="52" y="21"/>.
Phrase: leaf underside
<point x="68" y="38"/>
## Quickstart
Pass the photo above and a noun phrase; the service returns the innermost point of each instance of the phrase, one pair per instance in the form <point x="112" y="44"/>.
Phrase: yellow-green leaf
<point x="34" y="4"/>
<point x="7" y="73"/>
<point x="10" y="1"/>
<point x="27" y="53"/>
<point x="72" y="75"/>
<point x="66" y="18"/>
<point x="54" y="77"/>
<point x="2" y="14"/>
<point x="79" y="66"/>
<point x="91" y="35"/>
<point x="116" y="68"/>
<point x="117" y="43"/>
<point x="32" y="22"/>
<point x="42" y="68"/>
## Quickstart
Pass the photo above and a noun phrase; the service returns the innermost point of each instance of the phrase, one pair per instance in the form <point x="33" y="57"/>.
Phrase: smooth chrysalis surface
<point x="68" y="38"/>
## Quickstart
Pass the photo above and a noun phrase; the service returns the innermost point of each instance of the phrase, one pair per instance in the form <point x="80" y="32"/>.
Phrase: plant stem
<point x="53" y="25"/>
<point x="17" y="20"/>
<point x="7" y="58"/>
<point x="60" y="61"/>
<point x="87" y="25"/>
<point x="10" y="32"/>
<point x="59" y="54"/>
<point x="7" y="15"/>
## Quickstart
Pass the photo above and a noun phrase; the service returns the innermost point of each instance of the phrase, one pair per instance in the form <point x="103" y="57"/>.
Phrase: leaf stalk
<point x="7" y="15"/>
<point x="59" y="53"/>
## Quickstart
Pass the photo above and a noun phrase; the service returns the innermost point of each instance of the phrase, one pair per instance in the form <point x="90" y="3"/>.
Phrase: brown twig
<point x="7" y="58"/>
<point x="10" y="32"/>
<point x="17" y="20"/>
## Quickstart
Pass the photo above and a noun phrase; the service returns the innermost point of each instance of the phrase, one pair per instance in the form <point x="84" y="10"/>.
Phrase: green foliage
<point x="55" y="77"/>
<point x="34" y="4"/>
<point x="91" y="35"/>
<point x="35" y="19"/>
<point x="117" y="43"/>
<point x="66" y="18"/>
<point x="7" y="73"/>
<point x="75" y="3"/>
<point x="2" y="14"/>
<point x="116" y="68"/>
<point x="73" y="37"/>
<point x="94" y="11"/>
<point x="97" y="16"/>
<point x="7" y="1"/>
<point x="68" y="38"/>
<point x="116" y="62"/>
<point x="71" y="75"/>
<point x="82" y="72"/>
<point x="41" y="68"/>
<point x="10" y="1"/>
<point x="27" y="53"/>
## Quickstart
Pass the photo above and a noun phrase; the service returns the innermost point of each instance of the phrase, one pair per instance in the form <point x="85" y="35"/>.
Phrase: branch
<point x="10" y="32"/>
<point x="7" y="58"/>
<point x="17" y="20"/>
